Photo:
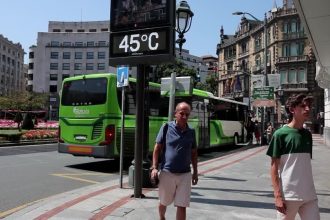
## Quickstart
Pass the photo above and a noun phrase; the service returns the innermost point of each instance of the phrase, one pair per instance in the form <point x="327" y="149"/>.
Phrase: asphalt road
<point x="30" y="173"/>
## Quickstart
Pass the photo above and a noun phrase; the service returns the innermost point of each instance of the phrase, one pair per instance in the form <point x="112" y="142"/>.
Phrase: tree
<point x="165" y="70"/>
<point x="24" y="101"/>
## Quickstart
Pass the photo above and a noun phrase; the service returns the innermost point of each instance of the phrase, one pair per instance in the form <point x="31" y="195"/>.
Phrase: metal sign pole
<point x="122" y="81"/>
<point x="122" y="136"/>
<point x="172" y="96"/>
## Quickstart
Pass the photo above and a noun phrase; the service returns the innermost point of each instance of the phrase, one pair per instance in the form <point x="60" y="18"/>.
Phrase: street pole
<point x="122" y="136"/>
<point x="172" y="96"/>
<point x="265" y="73"/>
<point x="139" y="131"/>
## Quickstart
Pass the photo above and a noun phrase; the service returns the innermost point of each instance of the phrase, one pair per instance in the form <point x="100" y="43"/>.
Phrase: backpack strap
<point x="162" y="153"/>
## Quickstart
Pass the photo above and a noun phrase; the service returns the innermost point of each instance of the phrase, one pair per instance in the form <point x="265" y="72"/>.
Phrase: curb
<point x="27" y="142"/>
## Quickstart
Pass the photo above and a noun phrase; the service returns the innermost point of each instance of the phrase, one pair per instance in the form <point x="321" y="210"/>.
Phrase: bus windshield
<point x="91" y="91"/>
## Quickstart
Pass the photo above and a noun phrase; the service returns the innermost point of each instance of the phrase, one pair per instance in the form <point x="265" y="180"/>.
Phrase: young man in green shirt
<point x="291" y="172"/>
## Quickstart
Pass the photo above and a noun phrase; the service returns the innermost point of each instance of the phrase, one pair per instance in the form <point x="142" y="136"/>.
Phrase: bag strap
<point x="162" y="154"/>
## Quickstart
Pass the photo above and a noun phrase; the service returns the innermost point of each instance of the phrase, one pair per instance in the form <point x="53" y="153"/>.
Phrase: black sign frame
<point x="166" y="24"/>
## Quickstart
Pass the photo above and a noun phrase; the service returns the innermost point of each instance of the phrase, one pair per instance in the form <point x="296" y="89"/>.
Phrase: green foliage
<point x="165" y="70"/>
<point x="24" y="101"/>
<point x="10" y="135"/>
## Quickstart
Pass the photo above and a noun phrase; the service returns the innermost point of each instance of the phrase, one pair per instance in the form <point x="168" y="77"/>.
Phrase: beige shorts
<point x="174" y="187"/>
<point x="307" y="210"/>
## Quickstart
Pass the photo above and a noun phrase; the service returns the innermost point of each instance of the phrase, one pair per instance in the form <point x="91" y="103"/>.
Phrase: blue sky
<point x="22" y="20"/>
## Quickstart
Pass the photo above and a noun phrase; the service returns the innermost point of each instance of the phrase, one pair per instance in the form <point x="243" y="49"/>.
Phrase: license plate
<point x="82" y="150"/>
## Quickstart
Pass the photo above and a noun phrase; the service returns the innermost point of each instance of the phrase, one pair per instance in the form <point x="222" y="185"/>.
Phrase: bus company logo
<point x="78" y="111"/>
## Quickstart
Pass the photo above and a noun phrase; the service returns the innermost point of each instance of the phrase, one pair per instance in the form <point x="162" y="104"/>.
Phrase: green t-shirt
<point x="287" y="140"/>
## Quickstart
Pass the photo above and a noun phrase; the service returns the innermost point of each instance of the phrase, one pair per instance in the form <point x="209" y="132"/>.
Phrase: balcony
<point x="291" y="59"/>
<point x="296" y="87"/>
<point x="294" y="35"/>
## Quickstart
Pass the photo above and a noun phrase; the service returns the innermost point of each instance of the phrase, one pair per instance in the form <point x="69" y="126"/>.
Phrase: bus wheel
<point x="236" y="140"/>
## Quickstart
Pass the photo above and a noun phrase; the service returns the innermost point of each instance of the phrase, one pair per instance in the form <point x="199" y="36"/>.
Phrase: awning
<point x="263" y="103"/>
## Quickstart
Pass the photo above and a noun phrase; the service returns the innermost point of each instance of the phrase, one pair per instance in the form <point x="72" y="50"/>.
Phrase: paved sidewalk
<point x="235" y="186"/>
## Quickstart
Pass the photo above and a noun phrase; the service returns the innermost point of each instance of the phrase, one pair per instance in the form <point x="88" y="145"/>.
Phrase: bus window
<point x="154" y="94"/>
<point x="84" y="92"/>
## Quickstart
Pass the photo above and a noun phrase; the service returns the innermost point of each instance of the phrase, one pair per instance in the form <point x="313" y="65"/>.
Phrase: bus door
<point x="204" y="124"/>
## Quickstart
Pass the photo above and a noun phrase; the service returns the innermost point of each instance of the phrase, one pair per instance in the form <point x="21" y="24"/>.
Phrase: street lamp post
<point x="184" y="19"/>
<point x="183" y="23"/>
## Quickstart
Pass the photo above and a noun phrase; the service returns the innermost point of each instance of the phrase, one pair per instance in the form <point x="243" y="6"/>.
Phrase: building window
<point x="92" y="30"/>
<point x="53" y="77"/>
<point x="56" y="30"/>
<point x="285" y="50"/>
<point x="89" y="66"/>
<point x="90" y="55"/>
<point x="31" y="55"/>
<point x="90" y="43"/>
<point x="293" y="26"/>
<point x="102" y="43"/>
<point x="55" y="44"/>
<point x="80" y="30"/>
<point x="54" y="66"/>
<point x="53" y="88"/>
<point x="66" y="55"/>
<point x="68" y="30"/>
<point x="104" y="29"/>
<point x="30" y="76"/>
<point x="301" y="47"/>
<point x="77" y="66"/>
<point x="101" y="66"/>
<point x="66" y="44"/>
<point x="53" y="55"/>
<point x="31" y="66"/>
<point x="101" y="55"/>
<point x="302" y="75"/>
<point x="293" y="49"/>
<point x="79" y="44"/>
<point x="292" y="76"/>
<point x="66" y="66"/>
<point x="258" y="60"/>
<point x="284" y="76"/>
<point x="78" y="55"/>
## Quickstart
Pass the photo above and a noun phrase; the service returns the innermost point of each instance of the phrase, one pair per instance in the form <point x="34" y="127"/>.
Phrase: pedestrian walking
<point x="249" y="130"/>
<point x="257" y="131"/>
<point x="290" y="150"/>
<point x="179" y="150"/>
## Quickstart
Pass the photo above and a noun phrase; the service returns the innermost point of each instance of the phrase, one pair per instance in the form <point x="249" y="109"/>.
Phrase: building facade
<point x="67" y="49"/>
<point x="242" y="57"/>
<point x="11" y="67"/>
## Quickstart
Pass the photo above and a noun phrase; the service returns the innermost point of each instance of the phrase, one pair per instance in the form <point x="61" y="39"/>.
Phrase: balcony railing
<point x="295" y="87"/>
<point x="294" y="35"/>
<point x="301" y="58"/>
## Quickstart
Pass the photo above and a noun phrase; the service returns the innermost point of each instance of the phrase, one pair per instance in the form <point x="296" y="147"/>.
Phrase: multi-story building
<point x="11" y="66"/>
<point x="288" y="53"/>
<point x="67" y="49"/>
<point x="193" y="62"/>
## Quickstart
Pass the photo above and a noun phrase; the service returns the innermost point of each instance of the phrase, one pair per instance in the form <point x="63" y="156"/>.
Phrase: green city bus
<point x="90" y="116"/>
